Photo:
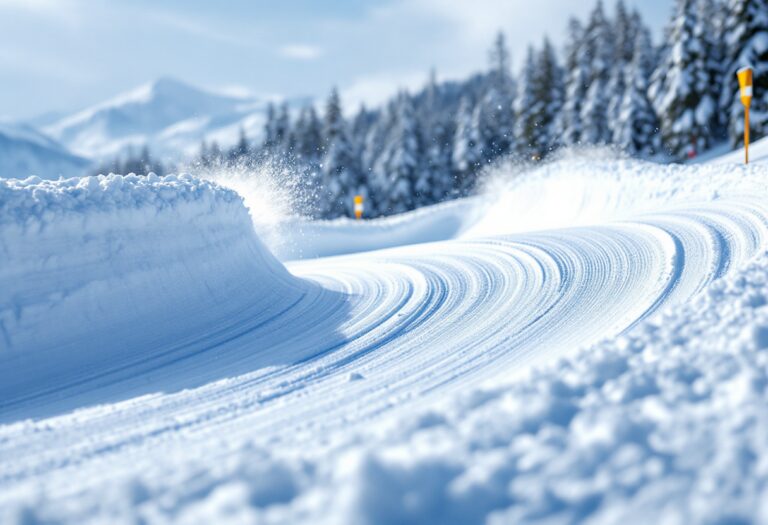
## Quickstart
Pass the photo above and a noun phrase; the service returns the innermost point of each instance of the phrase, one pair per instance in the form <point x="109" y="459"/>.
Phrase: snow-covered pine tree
<point x="241" y="150"/>
<point x="497" y="118"/>
<point x="527" y="110"/>
<point x="650" y="55"/>
<point x="708" y="31"/>
<point x="340" y="170"/>
<point x="434" y="180"/>
<point x="309" y="135"/>
<point x="624" y="30"/>
<point x="712" y="14"/>
<point x="361" y="125"/>
<point x="398" y="166"/>
<point x="375" y="143"/>
<point x="637" y="127"/>
<point x="576" y="83"/>
<point x="467" y="155"/>
<point x="746" y="44"/>
<point x="598" y="45"/>
<point x="681" y="88"/>
<point x="539" y="102"/>
<point x="307" y="155"/>
<point x="282" y="126"/>
<point x="550" y="90"/>
<point x="270" y="129"/>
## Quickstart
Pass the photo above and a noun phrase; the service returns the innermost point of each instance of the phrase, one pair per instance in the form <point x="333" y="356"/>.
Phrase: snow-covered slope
<point x="391" y="386"/>
<point x="25" y="152"/>
<point x="168" y="115"/>
<point x="758" y="153"/>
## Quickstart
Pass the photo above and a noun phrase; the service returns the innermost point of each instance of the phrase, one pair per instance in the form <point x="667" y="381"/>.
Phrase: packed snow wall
<point x="99" y="269"/>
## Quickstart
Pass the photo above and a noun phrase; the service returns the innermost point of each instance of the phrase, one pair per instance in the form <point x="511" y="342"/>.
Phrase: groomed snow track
<point x="352" y="339"/>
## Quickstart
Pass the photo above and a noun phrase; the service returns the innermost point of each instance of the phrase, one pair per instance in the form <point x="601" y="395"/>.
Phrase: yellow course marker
<point x="358" y="206"/>
<point x="745" y="84"/>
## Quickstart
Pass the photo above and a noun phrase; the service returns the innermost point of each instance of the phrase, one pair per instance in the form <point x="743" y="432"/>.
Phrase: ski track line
<point x="417" y="323"/>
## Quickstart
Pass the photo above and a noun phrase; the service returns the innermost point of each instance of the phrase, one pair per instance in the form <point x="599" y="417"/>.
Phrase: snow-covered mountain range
<point x="171" y="117"/>
<point x="25" y="151"/>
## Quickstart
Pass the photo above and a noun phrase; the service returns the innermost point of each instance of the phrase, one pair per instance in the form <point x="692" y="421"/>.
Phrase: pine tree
<point x="624" y="29"/>
<point x="539" y="102"/>
<point x="637" y="127"/>
<point x="681" y="87"/>
<point x="240" y="151"/>
<point x="398" y="166"/>
<point x="270" y="129"/>
<point x="526" y="109"/>
<point x="626" y="26"/>
<point x="497" y="113"/>
<point x="307" y="142"/>
<point x="746" y="44"/>
<point x="577" y="67"/>
<point x="598" y="42"/>
<point x="309" y="135"/>
<point x="282" y="125"/>
<point x="340" y="170"/>
<point x="713" y="14"/>
<point x="434" y="183"/>
<point x="550" y="93"/>
<point x="467" y="146"/>
<point x="361" y="125"/>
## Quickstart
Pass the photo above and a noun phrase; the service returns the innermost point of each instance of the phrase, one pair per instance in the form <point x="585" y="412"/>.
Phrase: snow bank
<point x="580" y="191"/>
<point x="100" y="269"/>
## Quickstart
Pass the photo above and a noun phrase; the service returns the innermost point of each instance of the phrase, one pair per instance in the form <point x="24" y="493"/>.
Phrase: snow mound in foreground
<point x="96" y="266"/>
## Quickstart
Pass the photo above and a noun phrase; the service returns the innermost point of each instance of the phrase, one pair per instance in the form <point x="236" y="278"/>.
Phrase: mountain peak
<point x="147" y="114"/>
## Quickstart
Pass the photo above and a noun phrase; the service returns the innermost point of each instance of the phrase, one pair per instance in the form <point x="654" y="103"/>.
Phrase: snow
<point x="585" y="343"/>
<point x="295" y="238"/>
<point x="88" y="261"/>
<point x="758" y="153"/>
<point x="171" y="117"/>
<point x="25" y="152"/>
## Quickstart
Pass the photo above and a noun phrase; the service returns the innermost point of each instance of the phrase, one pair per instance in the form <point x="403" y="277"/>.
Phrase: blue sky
<point x="64" y="55"/>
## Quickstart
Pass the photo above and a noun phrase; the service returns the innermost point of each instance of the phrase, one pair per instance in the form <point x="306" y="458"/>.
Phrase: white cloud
<point x="301" y="52"/>
<point x="194" y="26"/>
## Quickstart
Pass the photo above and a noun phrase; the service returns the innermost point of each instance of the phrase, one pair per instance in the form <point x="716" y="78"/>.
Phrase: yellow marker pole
<point x="358" y="207"/>
<point x="746" y="135"/>
<point x="745" y="85"/>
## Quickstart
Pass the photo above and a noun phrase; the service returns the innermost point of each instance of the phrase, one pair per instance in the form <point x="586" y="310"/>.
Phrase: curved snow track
<point x="360" y="336"/>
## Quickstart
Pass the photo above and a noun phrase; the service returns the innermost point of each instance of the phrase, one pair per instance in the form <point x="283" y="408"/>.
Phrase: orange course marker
<point x="745" y="85"/>
<point x="358" y="206"/>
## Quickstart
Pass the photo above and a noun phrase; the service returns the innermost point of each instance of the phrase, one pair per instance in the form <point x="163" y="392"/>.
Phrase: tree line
<point x="609" y="85"/>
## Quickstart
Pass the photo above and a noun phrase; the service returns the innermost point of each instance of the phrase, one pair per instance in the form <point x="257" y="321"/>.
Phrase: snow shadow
<point x="251" y="348"/>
